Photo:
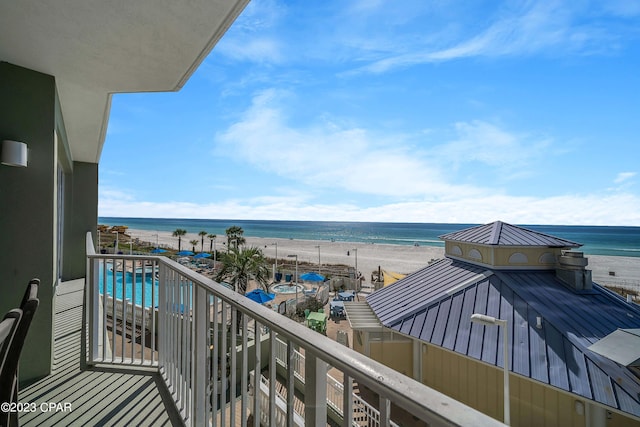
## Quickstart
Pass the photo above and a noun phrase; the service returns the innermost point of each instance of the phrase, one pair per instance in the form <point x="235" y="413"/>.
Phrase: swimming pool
<point x="145" y="281"/>
<point x="142" y="281"/>
<point x="287" y="289"/>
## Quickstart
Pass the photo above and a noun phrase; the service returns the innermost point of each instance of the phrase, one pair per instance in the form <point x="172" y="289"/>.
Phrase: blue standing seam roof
<point x="391" y="302"/>
<point x="555" y="354"/>
<point x="500" y="233"/>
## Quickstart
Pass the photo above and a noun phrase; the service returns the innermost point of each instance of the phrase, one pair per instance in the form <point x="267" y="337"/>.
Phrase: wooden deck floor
<point x="99" y="397"/>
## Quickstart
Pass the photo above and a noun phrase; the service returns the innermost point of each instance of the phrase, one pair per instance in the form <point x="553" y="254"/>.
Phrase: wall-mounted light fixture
<point x="14" y="153"/>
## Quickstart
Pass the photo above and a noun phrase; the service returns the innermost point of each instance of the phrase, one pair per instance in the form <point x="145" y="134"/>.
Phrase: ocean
<point x="596" y="240"/>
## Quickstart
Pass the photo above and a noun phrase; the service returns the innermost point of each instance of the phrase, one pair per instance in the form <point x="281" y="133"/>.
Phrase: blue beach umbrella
<point x="184" y="253"/>
<point x="158" y="251"/>
<point x="202" y="255"/>
<point x="312" y="277"/>
<point x="260" y="296"/>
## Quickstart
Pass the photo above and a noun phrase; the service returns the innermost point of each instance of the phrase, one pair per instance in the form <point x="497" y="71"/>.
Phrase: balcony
<point x="182" y="349"/>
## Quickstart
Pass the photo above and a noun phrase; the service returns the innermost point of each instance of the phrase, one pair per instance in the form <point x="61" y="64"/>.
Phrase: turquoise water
<point x="287" y="289"/>
<point x="150" y="285"/>
<point x="596" y="240"/>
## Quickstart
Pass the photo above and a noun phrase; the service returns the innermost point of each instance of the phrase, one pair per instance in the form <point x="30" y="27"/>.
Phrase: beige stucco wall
<point x="502" y="255"/>
<point x="480" y="386"/>
<point x="499" y="256"/>
<point x="398" y="355"/>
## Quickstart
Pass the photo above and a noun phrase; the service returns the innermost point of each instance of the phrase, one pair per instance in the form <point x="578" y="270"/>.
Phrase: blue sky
<point x="404" y="111"/>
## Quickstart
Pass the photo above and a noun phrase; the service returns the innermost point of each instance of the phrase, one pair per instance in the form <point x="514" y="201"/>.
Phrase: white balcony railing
<point x="363" y="412"/>
<point x="208" y="341"/>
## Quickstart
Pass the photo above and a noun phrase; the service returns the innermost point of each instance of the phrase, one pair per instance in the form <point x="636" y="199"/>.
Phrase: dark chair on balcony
<point x="12" y="347"/>
<point x="8" y="328"/>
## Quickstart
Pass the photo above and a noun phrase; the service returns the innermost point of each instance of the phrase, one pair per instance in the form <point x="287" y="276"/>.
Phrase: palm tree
<point x="193" y="243"/>
<point x="234" y="234"/>
<point x="241" y="265"/>
<point x="211" y="237"/>
<point x="179" y="233"/>
<point x="202" y="234"/>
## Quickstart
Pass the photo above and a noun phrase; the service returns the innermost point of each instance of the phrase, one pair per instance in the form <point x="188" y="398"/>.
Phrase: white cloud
<point x="595" y="209"/>
<point x="329" y="155"/>
<point x="486" y="143"/>
<point x="548" y="28"/>
<point x="264" y="50"/>
<point x="624" y="176"/>
<point x="259" y="16"/>
<point x="108" y="193"/>
<point x="251" y="37"/>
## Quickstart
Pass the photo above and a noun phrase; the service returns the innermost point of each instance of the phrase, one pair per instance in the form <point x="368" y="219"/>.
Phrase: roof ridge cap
<point x="496" y="230"/>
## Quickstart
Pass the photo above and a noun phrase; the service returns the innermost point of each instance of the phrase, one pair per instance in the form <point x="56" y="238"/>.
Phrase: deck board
<point x="114" y="397"/>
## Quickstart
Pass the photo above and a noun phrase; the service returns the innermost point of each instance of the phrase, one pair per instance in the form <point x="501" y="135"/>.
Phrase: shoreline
<point x="396" y="258"/>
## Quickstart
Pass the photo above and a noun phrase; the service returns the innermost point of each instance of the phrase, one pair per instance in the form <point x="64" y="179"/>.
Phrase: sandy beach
<point x="606" y="270"/>
<point x="397" y="258"/>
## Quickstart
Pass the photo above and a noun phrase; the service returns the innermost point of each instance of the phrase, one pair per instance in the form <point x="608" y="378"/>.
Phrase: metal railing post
<point x="290" y="382"/>
<point x="162" y="316"/>
<point x="272" y="378"/>
<point x="200" y="371"/>
<point x="93" y="299"/>
<point x="315" y="397"/>
<point x="347" y="401"/>
<point x="385" y="411"/>
<point x="257" y="375"/>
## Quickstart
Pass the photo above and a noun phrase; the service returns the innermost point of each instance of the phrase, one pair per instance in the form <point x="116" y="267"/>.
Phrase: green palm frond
<point x="241" y="265"/>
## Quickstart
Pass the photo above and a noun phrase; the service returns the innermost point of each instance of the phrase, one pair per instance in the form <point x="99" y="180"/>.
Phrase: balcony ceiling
<point x="96" y="48"/>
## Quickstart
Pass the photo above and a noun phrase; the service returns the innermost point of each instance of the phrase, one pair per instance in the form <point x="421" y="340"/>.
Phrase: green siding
<point x="27" y="195"/>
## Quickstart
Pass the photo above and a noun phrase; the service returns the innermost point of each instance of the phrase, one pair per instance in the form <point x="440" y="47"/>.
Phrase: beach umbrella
<point x="260" y="296"/>
<point x="184" y="253"/>
<point x="158" y="251"/>
<point x="202" y="255"/>
<point x="312" y="277"/>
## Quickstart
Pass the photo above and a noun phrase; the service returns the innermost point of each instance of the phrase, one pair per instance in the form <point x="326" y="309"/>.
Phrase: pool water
<point x="150" y="286"/>
<point x="287" y="289"/>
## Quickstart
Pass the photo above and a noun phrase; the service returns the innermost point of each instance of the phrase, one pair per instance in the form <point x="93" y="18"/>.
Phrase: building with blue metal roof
<point x="554" y="314"/>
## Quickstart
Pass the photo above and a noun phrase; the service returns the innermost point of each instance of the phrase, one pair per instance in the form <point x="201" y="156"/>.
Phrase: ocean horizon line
<point x="469" y="224"/>
<point x="595" y="240"/>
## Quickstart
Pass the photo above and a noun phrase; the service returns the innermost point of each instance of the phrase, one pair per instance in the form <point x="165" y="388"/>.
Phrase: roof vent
<point x="571" y="270"/>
